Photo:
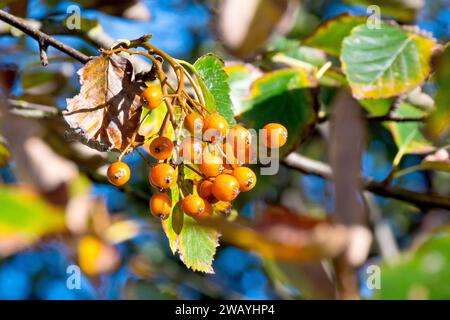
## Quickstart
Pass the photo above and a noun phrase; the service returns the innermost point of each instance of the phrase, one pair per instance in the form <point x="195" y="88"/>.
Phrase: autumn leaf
<point x="107" y="111"/>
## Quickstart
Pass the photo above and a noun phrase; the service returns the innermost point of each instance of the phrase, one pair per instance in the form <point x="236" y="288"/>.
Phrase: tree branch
<point x="426" y="200"/>
<point x="43" y="39"/>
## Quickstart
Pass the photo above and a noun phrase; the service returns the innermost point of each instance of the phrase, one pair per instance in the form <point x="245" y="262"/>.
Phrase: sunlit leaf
<point x="107" y="111"/>
<point x="5" y="155"/>
<point x="330" y="34"/>
<point x="96" y="257"/>
<point x="215" y="86"/>
<point x="283" y="97"/>
<point x="195" y="244"/>
<point x="401" y="131"/>
<point x="438" y="127"/>
<point x="385" y="62"/>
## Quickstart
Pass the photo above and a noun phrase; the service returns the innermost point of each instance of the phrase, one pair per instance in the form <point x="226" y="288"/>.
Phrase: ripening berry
<point x="211" y="164"/>
<point x="229" y="159"/>
<point x="276" y="135"/>
<point x="193" y="123"/>
<point x="204" y="190"/>
<point x="161" y="148"/>
<point x="191" y="150"/>
<point x="152" y="97"/>
<point x="215" y="127"/>
<point x="225" y="188"/>
<point x="163" y="176"/>
<point x="239" y="137"/>
<point x="193" y="205"/>
<point x="246" y="178"/>
<point x="160" y="205"/>
<point x="207" y="213"/>
<point x="118" y="173"/>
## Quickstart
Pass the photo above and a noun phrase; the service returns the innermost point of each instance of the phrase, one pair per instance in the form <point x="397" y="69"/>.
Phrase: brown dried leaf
<point x="107" y="111"/>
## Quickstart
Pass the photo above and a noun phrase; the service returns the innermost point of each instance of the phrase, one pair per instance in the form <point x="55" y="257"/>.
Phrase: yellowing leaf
<point x="386" y="61"/>
<point x="107" y="111"/>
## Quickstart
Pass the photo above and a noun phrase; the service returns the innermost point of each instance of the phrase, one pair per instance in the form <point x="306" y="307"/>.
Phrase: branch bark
<point x="424" y="200"/>
<point x="43" y="39"/>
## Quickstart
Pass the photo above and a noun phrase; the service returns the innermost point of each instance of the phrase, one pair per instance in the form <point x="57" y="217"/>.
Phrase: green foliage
<point x="330" y="34"/>
<point x="385" y="62"/>
<point x="423" y="273"/>
<point x="215" y="86"/>
<point x="403" y="10"/>
<point x="195" y="244"/>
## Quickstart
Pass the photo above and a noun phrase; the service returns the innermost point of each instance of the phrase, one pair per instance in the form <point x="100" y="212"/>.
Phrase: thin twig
<point x="43" y="39"/>
<point x="426" y="200"/>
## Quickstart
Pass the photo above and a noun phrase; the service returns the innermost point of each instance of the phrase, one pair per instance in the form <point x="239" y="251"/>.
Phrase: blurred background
<point x="57" y="210"/>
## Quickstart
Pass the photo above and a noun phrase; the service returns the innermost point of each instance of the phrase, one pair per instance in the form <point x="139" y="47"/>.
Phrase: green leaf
<point x="401" y="131"/>
<point x="377" y="107"/>
<point x="438" y="126"/>
<point x="293" y="48"/>
<point x="25" y="217"/>
<point x="177" y="218"/>
<point x="241" y="77"/>
<point x="385" y="62"/>
<point x="195" y="244"/>
<point x="423" y="273"/>
<point x="283" y="97"/>
<point x="330" y="34"/>
<point x="215" y="86"/>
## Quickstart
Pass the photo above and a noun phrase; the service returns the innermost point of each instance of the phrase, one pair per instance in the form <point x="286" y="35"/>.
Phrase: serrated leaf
<point x="401" y="131"/>
<point x="197" y="245"/>
<point x="438" y="126"/>
<point x="107" y="111"/>
<point x="385" y="62"/>
<point x="283" y="97"/>
<point x="215" y="86"/>
<point x="329" y="35"/>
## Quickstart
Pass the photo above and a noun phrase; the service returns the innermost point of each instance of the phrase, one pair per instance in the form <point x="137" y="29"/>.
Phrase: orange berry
<point x="207" y="213"/>
<point x="225" y="188"/>
<point x="163" y="176"/>
<point x="191" y="149"/>
<point x="276" y="135"/>
<point x="211" y="164"/>
<point x="246" y="178"/>
<point x="215" y="127"/>
<point x="161" y="148"/>
<point x="193" y="205"/>
<point x="230" y="161"/>
<point x="152" y="97"/>
<point x="118" y="173"/>
<point x="239" y="137"/>
<point x="193" y="123"/>
<point x="160" y="205"/>
<point x="204" y="190"/>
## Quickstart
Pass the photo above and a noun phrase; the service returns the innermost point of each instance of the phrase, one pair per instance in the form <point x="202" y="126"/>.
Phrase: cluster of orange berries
<point x="219" y="155"/>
